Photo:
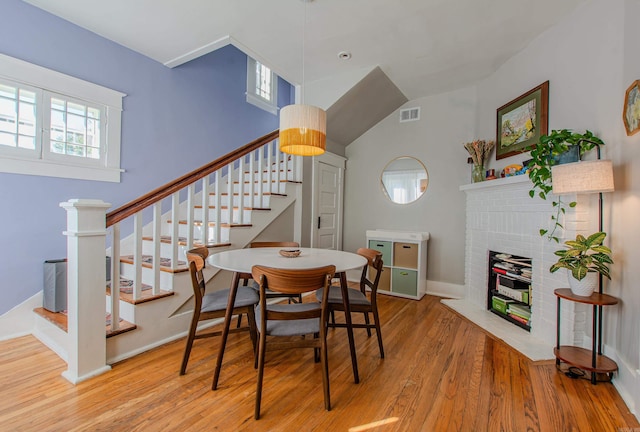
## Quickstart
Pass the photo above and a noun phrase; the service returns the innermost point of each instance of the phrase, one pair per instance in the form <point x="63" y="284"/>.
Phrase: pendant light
<point x="303" y="128"/>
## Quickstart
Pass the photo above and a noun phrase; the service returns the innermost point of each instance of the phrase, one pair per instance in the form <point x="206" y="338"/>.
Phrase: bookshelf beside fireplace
<point x="509" y="288"/>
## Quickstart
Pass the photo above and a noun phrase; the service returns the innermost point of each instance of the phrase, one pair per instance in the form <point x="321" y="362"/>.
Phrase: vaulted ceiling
<point x="423" y="46"/>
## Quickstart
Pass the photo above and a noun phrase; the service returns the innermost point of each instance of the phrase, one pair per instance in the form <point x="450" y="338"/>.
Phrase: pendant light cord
<point x="304" y="26"/>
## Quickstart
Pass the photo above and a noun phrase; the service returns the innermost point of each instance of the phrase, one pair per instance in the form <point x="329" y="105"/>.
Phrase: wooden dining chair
<point x="358" y="301"/>
<point x="293" y="322"/>
<point x="288" y="245"/>
<point x="214" y="305"/>
<point x="245" y="277"/>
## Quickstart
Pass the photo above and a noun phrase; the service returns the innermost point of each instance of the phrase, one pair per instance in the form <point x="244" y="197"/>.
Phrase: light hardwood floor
<point x="441" y="373"/>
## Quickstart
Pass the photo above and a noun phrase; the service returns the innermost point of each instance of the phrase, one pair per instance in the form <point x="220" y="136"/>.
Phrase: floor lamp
<point x="586" y="177"/>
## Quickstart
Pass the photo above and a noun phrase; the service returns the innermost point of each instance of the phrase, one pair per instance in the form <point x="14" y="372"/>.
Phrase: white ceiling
<point x="423" y="46"/>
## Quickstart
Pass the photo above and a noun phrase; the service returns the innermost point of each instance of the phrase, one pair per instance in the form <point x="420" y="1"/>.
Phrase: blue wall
<point x="174" y="120"/>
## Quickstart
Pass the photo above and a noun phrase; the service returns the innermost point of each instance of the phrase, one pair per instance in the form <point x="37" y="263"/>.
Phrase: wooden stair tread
<point x="266" y="171"/>
<point x="247" y="193"/>
<point x="264" y="181"/>
<point x="145" y="296"/>
<point x="126" y="286"/>
<point x="211" y="224"/>
<point x="235" y="208"/>
<point x="60" y="320"/>
<point x="165" y="263"/>
<point x="182" y="241"/>
<point x="125" y="326"/>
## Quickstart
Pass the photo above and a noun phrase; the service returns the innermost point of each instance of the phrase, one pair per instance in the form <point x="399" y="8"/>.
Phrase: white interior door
<point x="328" y="187"/>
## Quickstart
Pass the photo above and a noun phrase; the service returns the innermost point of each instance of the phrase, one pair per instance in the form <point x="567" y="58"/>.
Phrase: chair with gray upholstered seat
<point x="270" y="294"/>
<point x="214" y="305"/>
<point x="288" y="245"/>
<point x="358" y="301"/>
<point x="293" y="325"/>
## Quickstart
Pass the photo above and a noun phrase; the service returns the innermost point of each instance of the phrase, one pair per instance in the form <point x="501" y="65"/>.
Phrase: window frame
<point x="55" y="84"/>
<point x="252" y="86"/>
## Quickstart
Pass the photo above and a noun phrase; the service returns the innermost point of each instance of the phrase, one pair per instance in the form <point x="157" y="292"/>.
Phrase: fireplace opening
<point x="509" y="288"/>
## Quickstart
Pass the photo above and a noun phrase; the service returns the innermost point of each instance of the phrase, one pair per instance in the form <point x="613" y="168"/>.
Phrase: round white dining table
<point x="242" y="260"/>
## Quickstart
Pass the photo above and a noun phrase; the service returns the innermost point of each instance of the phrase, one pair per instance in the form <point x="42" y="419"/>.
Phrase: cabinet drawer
<point x="405" y="255"/>
<point x="384" y="247"/>
<point x="404" y="281"/>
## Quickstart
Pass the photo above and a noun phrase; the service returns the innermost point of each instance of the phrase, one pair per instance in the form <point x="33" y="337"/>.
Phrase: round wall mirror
<point x="404" y="180"/>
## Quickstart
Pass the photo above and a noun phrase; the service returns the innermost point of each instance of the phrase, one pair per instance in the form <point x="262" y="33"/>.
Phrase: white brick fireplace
<point x="502" y="217"/>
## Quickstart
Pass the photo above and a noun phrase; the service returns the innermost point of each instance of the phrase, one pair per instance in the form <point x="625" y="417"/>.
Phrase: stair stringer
<point x="164" y="320"/>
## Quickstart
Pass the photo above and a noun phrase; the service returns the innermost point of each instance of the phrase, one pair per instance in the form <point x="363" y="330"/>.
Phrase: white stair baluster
<point x="205" y="211"/>
<point x="115" y="277"/>
<point x="269" y="166"/>
<point x="260" y="176"/>
<point x="157" y="243"/>
<point x="252" y="179"/>
<point x="230" y="193"/>
<point x="218" y="204"/>
<point x="137" y="256"/>
<point x="190" y="211"/>
<point x="240" y="218"/>
<point x="295" y="170"/>
<point x="175" y="225"/>
<point x="279" y="167"/>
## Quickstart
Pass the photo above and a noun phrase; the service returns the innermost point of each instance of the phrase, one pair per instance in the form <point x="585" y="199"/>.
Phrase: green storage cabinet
<point x="404" y="254"/>
<point x="404" y="281"/>
<point x="383" y="246"/>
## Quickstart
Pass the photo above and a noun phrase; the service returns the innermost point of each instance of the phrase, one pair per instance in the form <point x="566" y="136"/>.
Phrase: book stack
<point x="500" y="304"/>
<point x="513" y="288"/>
<point x="520" y="313"/>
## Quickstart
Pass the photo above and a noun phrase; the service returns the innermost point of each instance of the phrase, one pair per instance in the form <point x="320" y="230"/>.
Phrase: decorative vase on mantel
<point x="477" y="173"/>
<point x="584" y="287"/>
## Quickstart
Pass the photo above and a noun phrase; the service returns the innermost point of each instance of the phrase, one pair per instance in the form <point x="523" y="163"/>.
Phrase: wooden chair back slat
<point x="280" y="280"/>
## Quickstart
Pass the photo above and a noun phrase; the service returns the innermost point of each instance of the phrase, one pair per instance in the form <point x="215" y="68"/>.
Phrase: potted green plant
<point x="548" y="152"/>
<point x="584" y="257"/>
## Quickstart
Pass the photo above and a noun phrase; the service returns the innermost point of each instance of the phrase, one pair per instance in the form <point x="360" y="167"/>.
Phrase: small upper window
<point x="44" y="131"/>
<point x="262" y="86"/>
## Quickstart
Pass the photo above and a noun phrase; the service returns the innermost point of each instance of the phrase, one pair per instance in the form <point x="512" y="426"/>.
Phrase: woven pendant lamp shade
<point x="303" y="130"/>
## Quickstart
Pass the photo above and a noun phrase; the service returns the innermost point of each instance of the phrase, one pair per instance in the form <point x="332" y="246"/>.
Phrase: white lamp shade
<point x="582" y="177"/>
<point x="303" y="130"/>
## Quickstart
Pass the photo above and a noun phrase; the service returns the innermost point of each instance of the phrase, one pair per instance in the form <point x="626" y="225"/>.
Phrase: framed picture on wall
<point x="631" y="112"/>
<point x="521" y="122"/>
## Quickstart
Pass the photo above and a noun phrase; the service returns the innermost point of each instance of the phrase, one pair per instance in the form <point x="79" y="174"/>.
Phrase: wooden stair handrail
<point x="178" y="184"/>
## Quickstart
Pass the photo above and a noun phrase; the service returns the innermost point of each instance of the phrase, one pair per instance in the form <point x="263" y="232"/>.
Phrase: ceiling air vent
<point x="409" y="114"/>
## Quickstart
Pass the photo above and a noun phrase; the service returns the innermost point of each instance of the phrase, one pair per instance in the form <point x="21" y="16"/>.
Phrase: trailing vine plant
<point x="545" y="155"/>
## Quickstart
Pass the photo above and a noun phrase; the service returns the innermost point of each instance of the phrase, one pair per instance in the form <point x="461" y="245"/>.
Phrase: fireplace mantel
<point x="496" y="182"/>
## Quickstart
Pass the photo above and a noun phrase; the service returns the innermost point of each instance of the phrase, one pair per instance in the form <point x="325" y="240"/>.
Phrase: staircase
<point x="223" y="205"/>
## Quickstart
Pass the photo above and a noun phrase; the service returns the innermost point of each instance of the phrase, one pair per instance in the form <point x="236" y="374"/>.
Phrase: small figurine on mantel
<point x="513" y="170"/>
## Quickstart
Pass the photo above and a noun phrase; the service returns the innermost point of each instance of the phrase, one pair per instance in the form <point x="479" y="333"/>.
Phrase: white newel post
<point x="86" y="276"/>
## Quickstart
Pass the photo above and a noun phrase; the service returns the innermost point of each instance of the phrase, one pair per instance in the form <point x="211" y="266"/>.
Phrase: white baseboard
<point x="20" y="321"/>
<point x="626" y="381"/>
<point x="445" y="289"/>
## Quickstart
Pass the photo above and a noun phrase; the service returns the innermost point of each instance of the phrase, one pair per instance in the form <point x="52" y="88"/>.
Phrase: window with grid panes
<point x="44" y="131"/>
<point x="262" y="86"/>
